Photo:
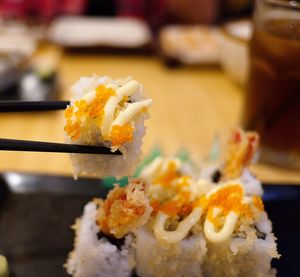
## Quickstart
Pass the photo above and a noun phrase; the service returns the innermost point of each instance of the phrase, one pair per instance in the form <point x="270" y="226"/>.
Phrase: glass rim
<point x="284" y="4"/>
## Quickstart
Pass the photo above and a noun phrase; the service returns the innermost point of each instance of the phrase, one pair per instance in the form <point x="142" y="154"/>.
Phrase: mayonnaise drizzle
<point x="201" y="194"/>
<point x="130" y="111"/>
<point x="182" y="229"/>
<point x="153" y="169"/>
<point x="159" y="166"/>
<point x="226" y="231"/>
<point x="210" y="232"/>
<point x="109" y="109"/>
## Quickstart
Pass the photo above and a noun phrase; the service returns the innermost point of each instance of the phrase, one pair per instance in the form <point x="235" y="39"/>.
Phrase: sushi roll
<point x="225" y="233"/>
<point x="103" y="235"/>
<point x="108" y="112"/>
<point x="239" y="234"/>
<point x="173" y="223"/>
<point x="215" y="229"/>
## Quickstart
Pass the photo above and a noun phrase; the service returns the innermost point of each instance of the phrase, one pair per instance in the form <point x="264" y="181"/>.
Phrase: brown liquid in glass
<point x="273" y="95"/>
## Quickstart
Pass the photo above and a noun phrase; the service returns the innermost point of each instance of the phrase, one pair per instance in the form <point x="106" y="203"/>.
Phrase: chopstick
<point x="25" y="106"/>
<point x="39" y="146"/>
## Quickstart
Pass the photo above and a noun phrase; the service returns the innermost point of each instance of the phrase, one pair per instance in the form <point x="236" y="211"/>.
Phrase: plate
<point x="28" y="85"/>
<point x="101" y="34"/>
<point x="36" y="212"/>
<point x="189" y="45"/>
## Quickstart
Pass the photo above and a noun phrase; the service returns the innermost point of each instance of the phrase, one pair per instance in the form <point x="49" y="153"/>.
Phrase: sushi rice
<point x="110" y="260"/>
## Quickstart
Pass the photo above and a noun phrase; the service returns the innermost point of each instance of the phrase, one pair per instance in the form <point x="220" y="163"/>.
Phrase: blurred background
<point x="192" y="56"/>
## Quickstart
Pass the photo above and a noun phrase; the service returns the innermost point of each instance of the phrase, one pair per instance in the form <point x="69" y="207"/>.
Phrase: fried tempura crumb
<point x="125" y="209"/>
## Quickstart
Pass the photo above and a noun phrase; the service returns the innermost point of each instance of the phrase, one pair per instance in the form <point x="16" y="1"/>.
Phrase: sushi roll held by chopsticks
<point x="106" y="112"/>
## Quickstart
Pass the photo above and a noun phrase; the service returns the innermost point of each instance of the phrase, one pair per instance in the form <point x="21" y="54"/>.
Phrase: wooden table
<point x="190" y="106"/>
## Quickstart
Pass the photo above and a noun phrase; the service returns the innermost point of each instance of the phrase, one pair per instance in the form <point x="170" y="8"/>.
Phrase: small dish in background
<point x="11" y="70"/>
<point x="17" y="37"/>
<point x="100" y="33"/>
<point x="234" y="40"/>
<point x="24" y="75"/>
<point x="27" y="81"/>
<point x="189" y="45"/>
<point x="17" y="45"/>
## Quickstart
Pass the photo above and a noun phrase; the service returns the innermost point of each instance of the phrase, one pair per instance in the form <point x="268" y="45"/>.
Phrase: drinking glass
<point x="272" y="104"/>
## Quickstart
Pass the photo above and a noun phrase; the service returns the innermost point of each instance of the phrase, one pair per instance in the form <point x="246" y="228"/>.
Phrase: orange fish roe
<point x="69" y="112"/>
<point x="96" y="108"/>
<point x="227" y="199"/>
<point x="72" y="129"/>
<point x="93" y="110"/>
<point x="184" y="182"/>
<point x="258" y="203"/>
<point x="170" y="208"/>
<point x="174" y="208"/>
<point x="186" y="209"/>
<point x="121" y="134"/>
<point x="201" y="202"/>
<point x="181" y="186"/>
<point x="184" y="197"/>
<point x="155" y="206"/>
<point x="182" y="204"/>
<point x="81" y="106"/>
<point x="167" y="177"/>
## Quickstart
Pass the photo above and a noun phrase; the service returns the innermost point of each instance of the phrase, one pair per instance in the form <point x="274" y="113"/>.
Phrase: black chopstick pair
<point x="39" y="146"/>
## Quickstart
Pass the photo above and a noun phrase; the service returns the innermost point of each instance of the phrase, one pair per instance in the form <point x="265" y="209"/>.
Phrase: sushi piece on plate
<point x="172" y="223"/>
<point x="103" y="242"/>
<point x="109" y="112"/>
<point x="239" y="234"/>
